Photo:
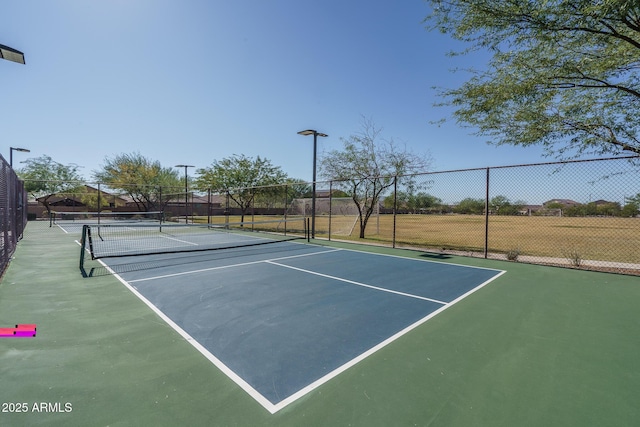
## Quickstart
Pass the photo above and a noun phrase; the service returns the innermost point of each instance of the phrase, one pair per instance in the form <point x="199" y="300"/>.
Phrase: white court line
<point x="257" y="396"/>
<point x="61" y="228"/>
<point x="354" y="361"/>
<point x="228" y="266"/>
<point x="364" y="285"/>
<point x="206" y="353"/>
<point x="178" y="240"/>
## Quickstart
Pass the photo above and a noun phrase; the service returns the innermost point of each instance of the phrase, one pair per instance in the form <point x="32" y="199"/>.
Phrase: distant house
<point x="83" y="198"/>
<point x="566" y="203"/>
<point x="199" y="205"/>
<point x="325" y="194"/>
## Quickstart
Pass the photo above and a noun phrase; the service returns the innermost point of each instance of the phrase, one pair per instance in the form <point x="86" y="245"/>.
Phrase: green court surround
<point x="539" y="346"/>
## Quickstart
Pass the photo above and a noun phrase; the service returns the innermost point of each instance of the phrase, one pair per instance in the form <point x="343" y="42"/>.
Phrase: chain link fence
<point x="577" y="214"/>
<point x="13" y="213"/>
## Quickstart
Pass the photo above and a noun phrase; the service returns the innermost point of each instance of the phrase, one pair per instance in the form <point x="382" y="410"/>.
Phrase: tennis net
<point x="65" y="218"/>
<point x="127" y="240"/>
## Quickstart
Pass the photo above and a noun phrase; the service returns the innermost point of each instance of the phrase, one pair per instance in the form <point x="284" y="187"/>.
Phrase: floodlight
<point x="11" y="54"/>
<point x="12" y="149"/>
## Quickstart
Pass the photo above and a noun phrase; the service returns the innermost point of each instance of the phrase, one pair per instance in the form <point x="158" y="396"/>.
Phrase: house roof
<point x="74" y="195"/>
<point x="566" y="202"/>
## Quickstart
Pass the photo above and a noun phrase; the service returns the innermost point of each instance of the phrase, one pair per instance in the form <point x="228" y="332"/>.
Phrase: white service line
<point x="178" y="240"/>
<point x="357" y="283"/>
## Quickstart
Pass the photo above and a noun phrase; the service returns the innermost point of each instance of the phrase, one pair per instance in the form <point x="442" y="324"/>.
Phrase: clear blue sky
<point x="196" y="80"/>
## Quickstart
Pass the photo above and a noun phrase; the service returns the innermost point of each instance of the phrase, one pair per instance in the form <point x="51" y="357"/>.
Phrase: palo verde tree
<point x="367" y="166"/>
<point x="141" y="178"/>
<point x="45" y="178"/>
<point x="564" y="73"/>
<point x="242" y="177"/>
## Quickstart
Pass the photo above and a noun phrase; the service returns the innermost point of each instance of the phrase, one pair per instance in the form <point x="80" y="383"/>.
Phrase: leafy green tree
<point x="413" y="203"/>
<point x="499" y="203"/>
<point x="95" y="201"/>
<point x="44" y="178"/>
<point x="631" y="207"/>
<point x="366" y="166"/>
<point x="470" y="206"/>
<point x="554" y="205"/>
<point x="297" y="189"/>
<point x="142" y="179"/>
<point x="630" y="210"/>
<point x="242" y="177"/>
<point x="609" y="209"/>
<point x="634" y="200"/>
<point x="423" y="201"/>
<point x="564" y="74"/>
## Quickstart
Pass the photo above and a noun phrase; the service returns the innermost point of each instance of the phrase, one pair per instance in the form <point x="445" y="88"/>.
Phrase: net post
<point x="90" y="240"/>
<point x="226" y="208"/>
<point x="51" y="214"/>
<point x="209" y="205"/>
<point x="286" y="201"/>
<point x="307" y="231"/>
<point x="83" y="242"/>
<point x="99" y="203"/>
<point x="253" y="207"/>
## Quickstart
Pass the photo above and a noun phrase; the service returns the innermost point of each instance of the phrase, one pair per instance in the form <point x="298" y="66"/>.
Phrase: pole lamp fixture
<point x="10" y="54"/>
<point x="315" y="134"/>
<point x="12" y="149"/>
<point x="186" y="191"/>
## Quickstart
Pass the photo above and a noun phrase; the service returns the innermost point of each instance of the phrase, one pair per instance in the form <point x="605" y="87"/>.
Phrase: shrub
<point x="512" y="254"/>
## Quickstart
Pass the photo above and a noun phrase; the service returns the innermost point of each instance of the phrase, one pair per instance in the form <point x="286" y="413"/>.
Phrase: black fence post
<point x="486" y="218"/>
<point x="395" y="209"/>
<point x="330" y="206"/>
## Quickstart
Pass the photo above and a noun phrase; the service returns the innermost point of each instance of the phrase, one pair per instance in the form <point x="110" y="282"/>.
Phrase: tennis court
<point x="327" y="333"/>
<point x="279" y="317"/>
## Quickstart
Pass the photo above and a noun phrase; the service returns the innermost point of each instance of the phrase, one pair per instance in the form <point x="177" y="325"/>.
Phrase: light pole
<point x="10" y="54"/>
<point x="315" y="134"/>
<point x="11" y="150"/>
<point x="186" y="190"/>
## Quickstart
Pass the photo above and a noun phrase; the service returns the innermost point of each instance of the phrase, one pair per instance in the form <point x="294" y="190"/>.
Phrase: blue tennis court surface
<point x="283" y="320"/>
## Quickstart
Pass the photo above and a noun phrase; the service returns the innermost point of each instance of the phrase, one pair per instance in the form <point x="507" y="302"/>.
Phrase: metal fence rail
<point x="578" y="214"/>
<point x="13" y="213"/>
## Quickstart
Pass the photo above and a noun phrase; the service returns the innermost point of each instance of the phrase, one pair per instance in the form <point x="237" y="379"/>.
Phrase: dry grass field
<point x="615" y="240"/>
<point x="601" y="239"/>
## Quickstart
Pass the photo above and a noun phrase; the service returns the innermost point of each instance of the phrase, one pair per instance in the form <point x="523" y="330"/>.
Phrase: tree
<point x="414" y="203"/>
<point x="564" y="74"/>
<point x="43" y="178"/>
<point x="501" y="205"/>
<point x="298" y="189"/>
<point x="142" y="179"/>
<point x="94" y="201"/>
<point x="470" y="206"/>
<point x="631" y="207"/>
<point x="242" y="177"/>
<point x="499" y="202"/>
<point x="367" y="166"/>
